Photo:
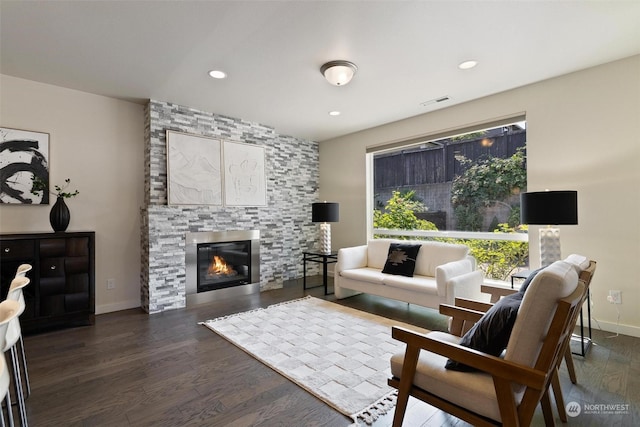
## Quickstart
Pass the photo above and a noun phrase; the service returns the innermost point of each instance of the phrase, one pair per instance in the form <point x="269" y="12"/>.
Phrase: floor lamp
<point x="549" y="208"/>
<point x="325" y="213"/>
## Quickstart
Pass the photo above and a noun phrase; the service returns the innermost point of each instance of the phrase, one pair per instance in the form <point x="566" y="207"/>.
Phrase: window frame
<point x="412" y="142"/>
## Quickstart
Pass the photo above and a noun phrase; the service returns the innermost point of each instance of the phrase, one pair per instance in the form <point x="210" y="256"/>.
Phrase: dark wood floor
<point x="132" y="369"/>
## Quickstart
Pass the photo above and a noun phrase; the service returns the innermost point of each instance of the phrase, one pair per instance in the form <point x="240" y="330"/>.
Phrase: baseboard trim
<point x="633" y="331"/>
<point x="118" y="306"/>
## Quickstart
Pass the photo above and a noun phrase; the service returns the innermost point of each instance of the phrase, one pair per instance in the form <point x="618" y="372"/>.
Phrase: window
<point x="459" y="187"/>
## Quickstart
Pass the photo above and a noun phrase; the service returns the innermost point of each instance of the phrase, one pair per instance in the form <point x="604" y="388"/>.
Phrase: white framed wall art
<point x="194" y="169"/>
<point x="245" y="181"/>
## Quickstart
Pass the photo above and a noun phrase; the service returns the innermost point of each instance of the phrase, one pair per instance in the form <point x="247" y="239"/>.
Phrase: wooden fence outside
<point x="438" y="165"/>
<point x="429" y="172"/>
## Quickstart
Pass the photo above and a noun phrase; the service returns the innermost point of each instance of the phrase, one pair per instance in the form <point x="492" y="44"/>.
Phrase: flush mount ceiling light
<point x="338" y="73"/>
<point x="334" y="113"/>
<point x="466" y="65"/>
<point x="217" y="74"/>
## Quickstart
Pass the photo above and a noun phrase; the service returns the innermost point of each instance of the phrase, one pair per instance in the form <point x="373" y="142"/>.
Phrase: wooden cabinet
<point x="62" y="288"/>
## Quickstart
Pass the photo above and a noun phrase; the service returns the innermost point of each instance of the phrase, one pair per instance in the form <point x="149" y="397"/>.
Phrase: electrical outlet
<point x="615" y="297"/>
<point x="111" y="284"/>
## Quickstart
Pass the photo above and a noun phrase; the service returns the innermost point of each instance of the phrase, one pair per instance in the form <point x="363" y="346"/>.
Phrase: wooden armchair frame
<point x="585" y="276"/>
<point x="466" y="312"/>
<point x="496" y="293"/>
<point x="504" y="373"/>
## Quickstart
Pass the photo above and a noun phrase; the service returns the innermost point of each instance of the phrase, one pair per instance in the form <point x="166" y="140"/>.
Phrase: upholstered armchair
<point x="461" y="321"/>
<point x="486" y="389"/>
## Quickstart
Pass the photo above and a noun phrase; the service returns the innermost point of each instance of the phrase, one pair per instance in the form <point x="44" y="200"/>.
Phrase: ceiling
<point x="407" y="53"/>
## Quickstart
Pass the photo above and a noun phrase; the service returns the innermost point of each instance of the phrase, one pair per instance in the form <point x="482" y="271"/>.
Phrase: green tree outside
<point x="486" y="182"/>
<point x="499" y="258"/>
<point x="496" y="258"/>
<point x="399" y="214"/>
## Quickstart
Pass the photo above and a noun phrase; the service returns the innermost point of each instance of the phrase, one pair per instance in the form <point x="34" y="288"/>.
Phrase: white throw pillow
<point x="580" y="262"/>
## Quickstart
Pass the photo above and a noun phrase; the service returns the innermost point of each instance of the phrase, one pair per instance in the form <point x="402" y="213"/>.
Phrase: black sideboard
<point x="62" y="288"/>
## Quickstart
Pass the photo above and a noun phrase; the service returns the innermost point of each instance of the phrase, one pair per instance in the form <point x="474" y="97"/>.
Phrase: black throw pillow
<point x="491" y="333"/>
<point x="401" y="259"/>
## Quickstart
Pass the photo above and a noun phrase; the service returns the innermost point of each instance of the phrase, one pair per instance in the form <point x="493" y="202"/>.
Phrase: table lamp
<point x="325" y="213"/>
<point x="549" y="208"/>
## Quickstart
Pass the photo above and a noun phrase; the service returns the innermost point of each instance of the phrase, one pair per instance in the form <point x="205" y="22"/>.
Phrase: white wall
<point x="583" y="134"/>
<point x="98" y="142"/>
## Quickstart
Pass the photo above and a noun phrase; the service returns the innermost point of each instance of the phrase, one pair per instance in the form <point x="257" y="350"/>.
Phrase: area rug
<point x="339" y="354"/>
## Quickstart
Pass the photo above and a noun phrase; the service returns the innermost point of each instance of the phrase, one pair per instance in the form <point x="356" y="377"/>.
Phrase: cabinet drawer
<point x="52" y="286"/>
<point x="16" y="249"/>
<point x="52" y="267"/>
<point x="76" y="265"/>
<point x="78" y="246"/>
<point x="52" y="305"/>
<point x="52" y="247"/>
<point x="76" y="302"/>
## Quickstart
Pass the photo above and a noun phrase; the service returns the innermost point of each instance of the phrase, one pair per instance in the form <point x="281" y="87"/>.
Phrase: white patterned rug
<point x="339" y="354"/>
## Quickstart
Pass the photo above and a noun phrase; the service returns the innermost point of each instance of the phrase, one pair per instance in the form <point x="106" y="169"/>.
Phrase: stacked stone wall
<point x="285" y="225"/>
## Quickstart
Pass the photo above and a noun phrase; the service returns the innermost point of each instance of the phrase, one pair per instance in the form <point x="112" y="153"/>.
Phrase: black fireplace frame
<point x="229" y="254"/>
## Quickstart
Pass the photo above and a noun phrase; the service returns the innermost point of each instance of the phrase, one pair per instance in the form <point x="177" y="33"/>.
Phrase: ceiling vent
<point x="435" y="101"/>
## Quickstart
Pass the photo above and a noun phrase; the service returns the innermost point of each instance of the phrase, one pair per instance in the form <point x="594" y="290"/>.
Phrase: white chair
<point x="12" y="338"/>
<point x="23" y="269"/>
<point x="15" y="293"/>
<point x="5" y="380"/>
<point x="9" y="310"/>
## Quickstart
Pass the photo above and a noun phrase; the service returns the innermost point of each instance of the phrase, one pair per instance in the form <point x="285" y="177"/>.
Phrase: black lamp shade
<point x="325" y="212"/>
<point x="549" y="208"/>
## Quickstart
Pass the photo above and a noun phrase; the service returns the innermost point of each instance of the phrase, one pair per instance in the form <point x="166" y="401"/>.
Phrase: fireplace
<point x="221" y="264"/>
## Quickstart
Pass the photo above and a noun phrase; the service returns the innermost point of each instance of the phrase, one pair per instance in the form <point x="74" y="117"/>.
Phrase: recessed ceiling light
<point x="334" y="113"/>
<point x="217" y="74"/>
<point x="466" y="65"/>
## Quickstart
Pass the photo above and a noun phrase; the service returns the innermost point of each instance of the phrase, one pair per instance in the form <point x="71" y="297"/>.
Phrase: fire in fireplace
<point x="220" y="268"/>
<point x="222" y="264"/>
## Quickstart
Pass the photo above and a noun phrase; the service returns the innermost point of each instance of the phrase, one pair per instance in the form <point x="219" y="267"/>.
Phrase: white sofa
<point x="443" y="272"/>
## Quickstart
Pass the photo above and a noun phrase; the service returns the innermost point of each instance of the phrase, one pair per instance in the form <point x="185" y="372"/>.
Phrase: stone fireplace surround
<point x="285" y="223"/>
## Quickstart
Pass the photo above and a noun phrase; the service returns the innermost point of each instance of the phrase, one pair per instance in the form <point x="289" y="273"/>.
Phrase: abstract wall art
<point x="244" y="175"/>
<point x="23" y="155"/>
<point x="194" y="173"/>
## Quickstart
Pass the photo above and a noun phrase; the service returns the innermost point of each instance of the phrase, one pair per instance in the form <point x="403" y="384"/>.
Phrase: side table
<point x="524" y="274"/>
<point x="585" y="342"/>
<point x="325" y="259"/>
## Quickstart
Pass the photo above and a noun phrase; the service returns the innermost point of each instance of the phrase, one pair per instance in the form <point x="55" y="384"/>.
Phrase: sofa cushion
<point x="377" y="252"/>
<point x="401" y="259"/>
<point x="367" y="274"/>
<point x="473" y="390"/>
<point x="434" y="254"/>
<point x="420" y="284"/>
<point x="491" y="333"/>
